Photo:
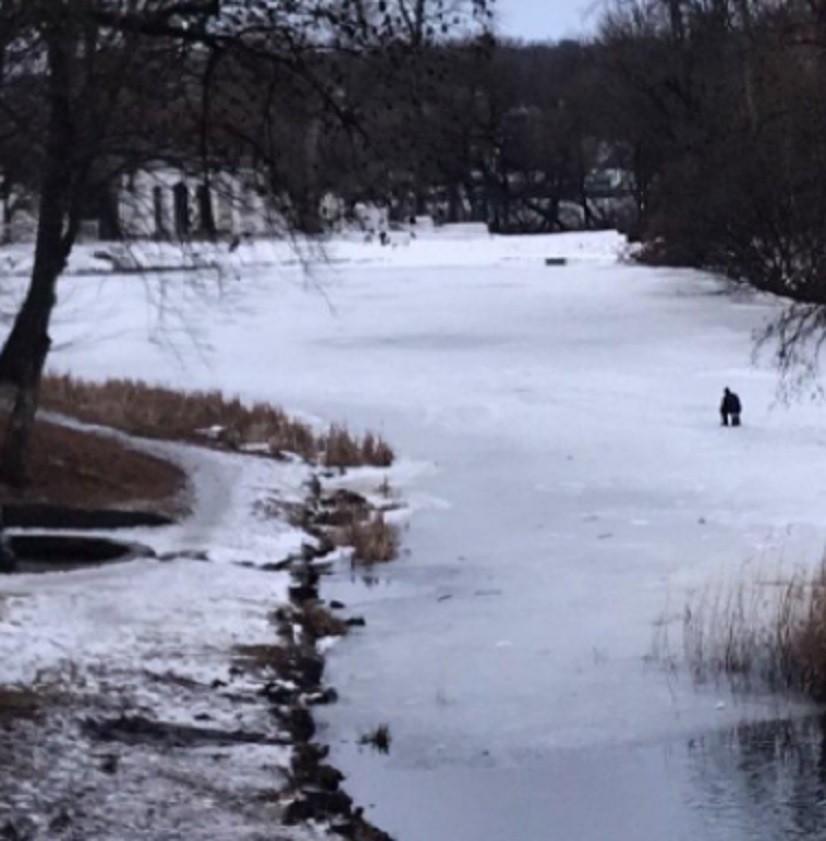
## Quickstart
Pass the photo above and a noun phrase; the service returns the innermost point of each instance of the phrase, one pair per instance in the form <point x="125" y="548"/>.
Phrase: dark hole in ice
<point x="52" y="553"/>
<point x="32" y="515"/>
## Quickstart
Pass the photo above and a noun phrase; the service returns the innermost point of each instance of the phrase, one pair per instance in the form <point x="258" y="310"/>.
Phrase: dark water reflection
<point x="756" y="782"/>
<point x="768" y="776"/>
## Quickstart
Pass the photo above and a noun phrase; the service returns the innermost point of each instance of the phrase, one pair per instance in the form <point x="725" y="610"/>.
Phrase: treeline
<point x="721" y="104"/>
<point x="710" y="114"/>
<point x="476" y="129"/>
<point x="462" y="128"/>
<point x="93" y="91"/>
<point x="697" y="126"/>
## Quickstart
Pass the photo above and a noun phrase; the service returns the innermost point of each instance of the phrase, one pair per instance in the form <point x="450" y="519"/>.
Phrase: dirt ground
<point x="74" y="468"/>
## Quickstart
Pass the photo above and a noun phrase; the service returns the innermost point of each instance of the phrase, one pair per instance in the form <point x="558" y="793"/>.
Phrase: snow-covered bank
<point x="149" y="715"/>
<point x="450" y="245"/>
<point x="113" y="614"/>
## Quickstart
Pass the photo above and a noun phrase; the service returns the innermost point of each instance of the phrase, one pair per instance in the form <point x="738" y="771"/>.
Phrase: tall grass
<point x="340" y="448"/>
<point x="374" y="540"/>
<point x="198" y="416"/>
<point x="761" y="635"/>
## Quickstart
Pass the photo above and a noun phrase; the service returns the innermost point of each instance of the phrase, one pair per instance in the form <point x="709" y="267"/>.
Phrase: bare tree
<point x="93" y="87"/>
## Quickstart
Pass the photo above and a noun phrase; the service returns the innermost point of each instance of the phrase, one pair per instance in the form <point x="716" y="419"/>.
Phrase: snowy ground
<point x="154" y="639"/>
<point x="561" y="441"/>
<point x="422" y="246"/>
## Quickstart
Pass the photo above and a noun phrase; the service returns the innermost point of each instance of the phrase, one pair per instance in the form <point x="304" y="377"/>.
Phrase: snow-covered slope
<point x="154" y="638"/>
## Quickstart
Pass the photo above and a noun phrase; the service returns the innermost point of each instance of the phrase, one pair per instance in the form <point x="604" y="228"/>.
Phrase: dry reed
<point x="761" y="634"/>
<point x="150" y="411"/>
<point x="373" y="540"/>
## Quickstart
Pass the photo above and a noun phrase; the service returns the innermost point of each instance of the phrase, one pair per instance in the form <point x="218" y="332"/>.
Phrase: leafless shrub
<point x="795" y="339"/>
<point x="338" y="448"/>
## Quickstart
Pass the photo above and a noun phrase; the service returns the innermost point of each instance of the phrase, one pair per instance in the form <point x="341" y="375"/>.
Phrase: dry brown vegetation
<point x="71" y="467"/>
<point x="762" y="634"/>
<point x="263" y="657"/>
<point x="207" y="416"/>
<point x="318" y="622"/>
<point x="373" y="540"/>
<point x="18" y="702"/>
<point x="341" y="449"/>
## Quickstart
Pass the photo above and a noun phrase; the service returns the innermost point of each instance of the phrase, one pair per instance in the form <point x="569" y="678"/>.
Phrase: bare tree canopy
<point x="93" y="88"/>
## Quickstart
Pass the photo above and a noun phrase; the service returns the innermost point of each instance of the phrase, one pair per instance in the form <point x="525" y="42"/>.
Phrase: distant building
<point x="160" y="203"/>
<point x="164" y="203"/>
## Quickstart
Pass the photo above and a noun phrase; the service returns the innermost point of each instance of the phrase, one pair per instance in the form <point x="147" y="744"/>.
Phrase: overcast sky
<point x="536" y="20"/>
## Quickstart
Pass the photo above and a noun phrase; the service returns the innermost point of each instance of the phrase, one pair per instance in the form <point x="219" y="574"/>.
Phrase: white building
<point x="160" y="203"/>
<point x="164" y="203"/>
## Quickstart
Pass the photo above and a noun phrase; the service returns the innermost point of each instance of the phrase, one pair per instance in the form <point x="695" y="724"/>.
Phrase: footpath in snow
<point x="154" y="707"/>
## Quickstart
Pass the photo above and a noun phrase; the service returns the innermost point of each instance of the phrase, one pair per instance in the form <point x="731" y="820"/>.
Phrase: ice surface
<point x="573" y="482"/>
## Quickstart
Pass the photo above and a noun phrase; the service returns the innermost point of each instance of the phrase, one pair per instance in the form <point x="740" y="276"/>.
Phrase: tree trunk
<point x="676" y="20"/>
<point x="581" y="174"/>
<point x="27" y="346"/>
<point x="453" y="202"/>
<point x="748" y="64"/>
<point x="24" y="354"/>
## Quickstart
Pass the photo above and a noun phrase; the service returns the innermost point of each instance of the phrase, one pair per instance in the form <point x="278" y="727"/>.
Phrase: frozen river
<point x="573" y="488"/>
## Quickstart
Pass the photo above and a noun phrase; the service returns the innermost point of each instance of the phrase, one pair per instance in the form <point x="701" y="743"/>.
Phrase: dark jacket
<point x="8" y="563"/>
<point x="730" y="404"/>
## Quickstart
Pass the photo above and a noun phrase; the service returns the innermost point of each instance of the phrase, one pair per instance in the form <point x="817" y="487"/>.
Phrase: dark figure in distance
<point x="730" y="408"/>
<point x="8" y="563"/>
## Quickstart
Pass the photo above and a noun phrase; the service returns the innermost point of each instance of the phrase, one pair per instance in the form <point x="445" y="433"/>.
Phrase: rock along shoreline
<point x="316" y="785"/>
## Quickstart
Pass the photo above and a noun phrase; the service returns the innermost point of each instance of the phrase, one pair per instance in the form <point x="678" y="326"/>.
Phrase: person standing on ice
<point x="8" y="563"/>
<point x="730" y="408"/>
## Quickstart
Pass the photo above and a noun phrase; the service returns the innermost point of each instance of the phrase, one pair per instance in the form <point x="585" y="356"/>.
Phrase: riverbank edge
<point x="293" y="682"/>
<point x="315" y="795"/>
<point x="317" y="789"/>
